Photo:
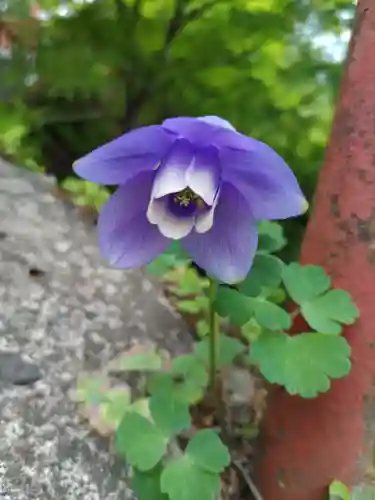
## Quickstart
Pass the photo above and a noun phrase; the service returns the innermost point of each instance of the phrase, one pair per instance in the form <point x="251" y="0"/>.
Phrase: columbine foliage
<point x="253" y="325"/>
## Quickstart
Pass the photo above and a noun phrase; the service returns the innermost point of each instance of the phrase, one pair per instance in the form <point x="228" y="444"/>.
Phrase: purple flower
<point x="197" y="180"/>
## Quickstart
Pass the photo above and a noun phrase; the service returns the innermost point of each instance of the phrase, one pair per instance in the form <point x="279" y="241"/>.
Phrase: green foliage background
<point x="109" y="65"/>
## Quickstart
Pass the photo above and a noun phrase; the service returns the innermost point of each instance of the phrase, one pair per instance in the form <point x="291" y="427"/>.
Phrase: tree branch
<point x="175" y="22"/>
<point x="137" y="9"/>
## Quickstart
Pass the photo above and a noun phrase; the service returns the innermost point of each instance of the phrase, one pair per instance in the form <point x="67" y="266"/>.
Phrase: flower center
<point x="186" y="203"/>
<point x="187" y="197"/>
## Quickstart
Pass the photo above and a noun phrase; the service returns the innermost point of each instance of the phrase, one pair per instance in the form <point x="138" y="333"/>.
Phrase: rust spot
<point x="366" y="228"/>
<point x="363" y="175"/>
<point x="335" y="211"/>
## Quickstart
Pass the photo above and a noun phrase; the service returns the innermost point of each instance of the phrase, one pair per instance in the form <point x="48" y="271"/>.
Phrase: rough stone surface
<point x="65" y="312"/>
<point x="16" y="370"/>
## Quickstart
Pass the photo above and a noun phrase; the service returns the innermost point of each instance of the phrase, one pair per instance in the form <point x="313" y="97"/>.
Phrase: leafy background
<point x="91" y="70"/>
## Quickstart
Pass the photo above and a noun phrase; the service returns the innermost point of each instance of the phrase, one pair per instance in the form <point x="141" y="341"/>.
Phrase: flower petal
<point x="171" y="175"/>
<point x="126" y="237"/>
<point x="121" y="159"/>
<point x="205" y="220"/>
<point x="217" y="121"/>
<point x="203" y="175"/>
<point x="169" y="225"/>
<point x="197" y="131"/>
<point x="264" y="179"/>
<point x="228" y="249"/>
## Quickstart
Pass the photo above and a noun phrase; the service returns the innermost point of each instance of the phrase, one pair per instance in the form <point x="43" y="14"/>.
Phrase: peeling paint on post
<point x="331" y="436"/>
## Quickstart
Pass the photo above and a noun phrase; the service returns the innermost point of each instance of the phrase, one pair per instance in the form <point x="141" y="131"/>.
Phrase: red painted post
<point x="308" y="443"/>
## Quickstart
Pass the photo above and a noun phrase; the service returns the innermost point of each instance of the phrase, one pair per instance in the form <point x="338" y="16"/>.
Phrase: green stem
<point x="213" y="336"/>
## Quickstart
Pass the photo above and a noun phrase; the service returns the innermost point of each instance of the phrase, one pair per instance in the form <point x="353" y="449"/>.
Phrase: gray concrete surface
<point x="61" y="311"/>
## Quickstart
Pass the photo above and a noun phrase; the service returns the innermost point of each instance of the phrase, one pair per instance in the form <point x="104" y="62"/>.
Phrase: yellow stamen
<point x="187" y="196"/>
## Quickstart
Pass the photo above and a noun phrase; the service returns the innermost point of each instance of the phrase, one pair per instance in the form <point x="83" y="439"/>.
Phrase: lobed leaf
<point x="207" y="451"/>
<point x="325" y="313"/>
<point x="186" y="381"/>
<point x="266" y="271"/>
<point x="169" y="414"/>
<point x="232" y="304"/>
<point x="304" y="363"/>
<point x="146" y="484"/>
<point x="228" y="349"/>
<point x="304" y="283"/>
<point x="140" y="441"/>
<point x="196" y="474"/>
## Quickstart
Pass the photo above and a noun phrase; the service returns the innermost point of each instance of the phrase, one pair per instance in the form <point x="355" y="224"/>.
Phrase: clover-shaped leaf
<point x="186" y="380"/>
<point x="141" y="442"/>
<point x="325" y="313"/>
<point x="169" y="414"/>
<point x="183" y="480"/>
<point x="265" y="271"/>
<point x="231" y="303"/>
<point x="146" y="484"/>
<point x="269" y="315"/>
<point x="323" y="310"/>
<point x="196" y="473"/>
<point x="304" y="363"/>
<point x="207" y="451"/>
<point x="229" y="348"/>
<point x="304" y="283"/>
<point x="240" y="309"/>
<point x="271" y="236"/>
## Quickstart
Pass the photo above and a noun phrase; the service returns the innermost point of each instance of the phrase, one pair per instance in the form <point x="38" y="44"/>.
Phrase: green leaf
<point x="183" y="480"/>
<point x="338" y="491"/>
<point x="91" y="388"/>
<point x="178" y="252"/>
<point x="162" y="264"/>
<point x="232" y="304"/>
<point x="138" y="358"/>
<point x="116" y="404"/>
<point x="202" y="328"/>
<point x="186" y="381"/>
<point x="229" y="348"/>
<point x="193" y="306"/>
<point x="271" y="237"/>
<point x="140" y="442"/>
<point x="169" y="414"/>
<point x="304" y="283"/>
<point x="208" y="452"/>
<point x="240" y="309"/>
<point x="270" y="316"/>
<point x="196" y="473"/>
<point x="302" y="363"/>
<point x="188" y="283"/>
<point x="146" y="484"/>
<point x="266" y="271"/>
<point x="326" y="312"/>
<point x="141" y="406"/>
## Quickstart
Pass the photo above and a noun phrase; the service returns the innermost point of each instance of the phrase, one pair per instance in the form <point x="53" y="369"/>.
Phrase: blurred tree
<point x="106" y="66"/>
